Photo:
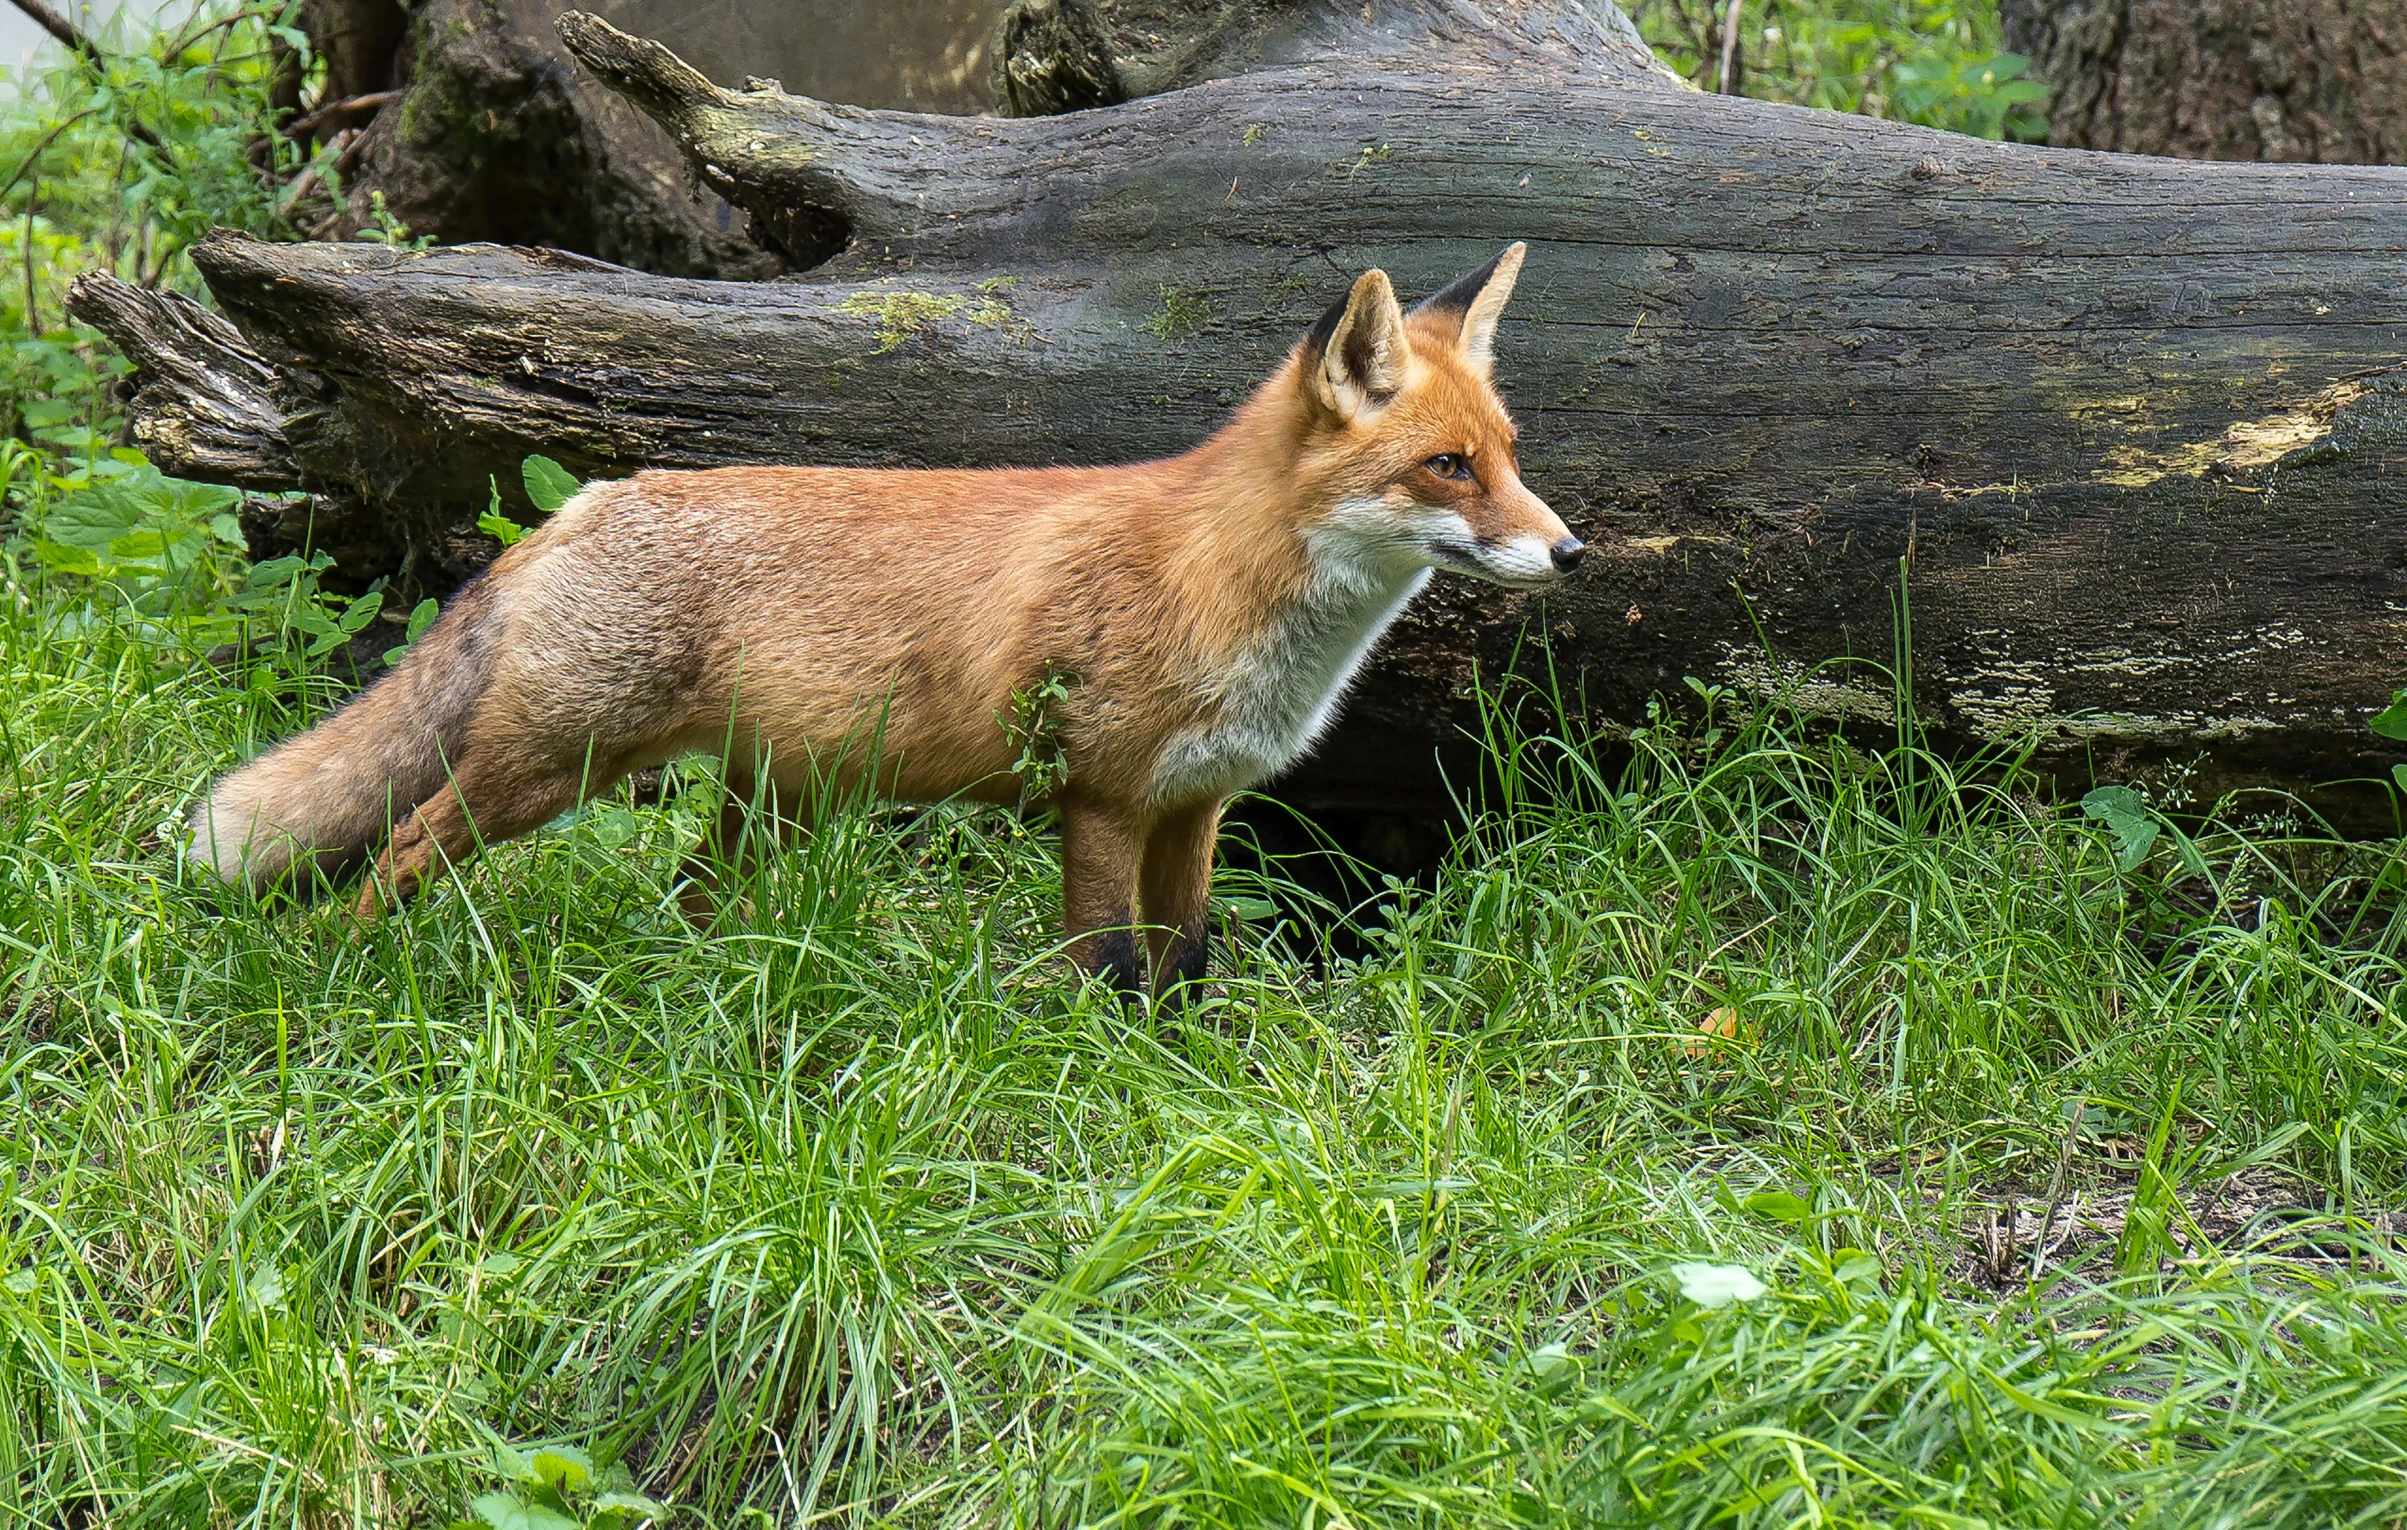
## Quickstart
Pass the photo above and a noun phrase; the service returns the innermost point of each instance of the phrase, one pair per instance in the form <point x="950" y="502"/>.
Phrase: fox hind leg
<point x="481" y="804"/>
<point x="751" y="827"/>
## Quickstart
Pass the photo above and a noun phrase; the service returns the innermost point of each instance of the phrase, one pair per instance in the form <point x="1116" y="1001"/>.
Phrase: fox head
<point x="1407" y="444"/>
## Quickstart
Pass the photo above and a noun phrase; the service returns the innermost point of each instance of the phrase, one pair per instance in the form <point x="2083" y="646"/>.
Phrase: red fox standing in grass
<point x="1209" y="610"/>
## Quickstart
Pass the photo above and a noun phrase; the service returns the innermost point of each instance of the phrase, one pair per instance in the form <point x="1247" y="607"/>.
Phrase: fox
<point x="1203" y="615"/>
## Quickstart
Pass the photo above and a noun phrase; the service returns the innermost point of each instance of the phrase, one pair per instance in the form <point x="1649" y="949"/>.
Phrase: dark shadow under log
<point x="2132" y="428"/>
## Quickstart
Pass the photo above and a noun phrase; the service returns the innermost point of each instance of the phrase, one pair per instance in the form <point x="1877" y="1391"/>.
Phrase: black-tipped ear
<point x="1456" y="298"/>
<point x="1355" y="357"/>
<point x="1475" y="302"/>
<point x="1316" y="339"/>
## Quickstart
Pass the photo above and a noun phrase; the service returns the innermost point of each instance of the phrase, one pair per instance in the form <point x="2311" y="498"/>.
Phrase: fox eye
<point x="1448" y="465"/>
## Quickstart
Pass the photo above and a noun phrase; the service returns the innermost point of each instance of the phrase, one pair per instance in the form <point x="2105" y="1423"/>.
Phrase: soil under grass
<point x="865" y="1212"/>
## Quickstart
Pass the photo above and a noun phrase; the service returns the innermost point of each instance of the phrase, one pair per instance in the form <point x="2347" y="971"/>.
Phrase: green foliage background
<point x="1936" y="62"/>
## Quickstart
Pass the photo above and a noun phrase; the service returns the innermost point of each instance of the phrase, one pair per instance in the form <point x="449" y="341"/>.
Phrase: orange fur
<point x="1209" y="609"/>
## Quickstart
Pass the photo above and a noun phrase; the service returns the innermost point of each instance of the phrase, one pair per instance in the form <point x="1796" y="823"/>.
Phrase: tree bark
<point x="2132" y="429"/>
<point x="2315" y="81"/>
<point x="496" y="136"/>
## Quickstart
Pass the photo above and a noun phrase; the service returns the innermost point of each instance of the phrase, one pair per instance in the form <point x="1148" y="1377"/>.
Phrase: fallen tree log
<point x="2132" y="428"/>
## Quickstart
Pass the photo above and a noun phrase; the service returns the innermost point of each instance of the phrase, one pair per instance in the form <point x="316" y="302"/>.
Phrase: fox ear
<point x="1475" y="302"/>
<point x="1354" y="359"/>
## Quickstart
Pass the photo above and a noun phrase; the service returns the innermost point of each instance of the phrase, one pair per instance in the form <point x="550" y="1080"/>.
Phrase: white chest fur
<point x="1266" y="708"/>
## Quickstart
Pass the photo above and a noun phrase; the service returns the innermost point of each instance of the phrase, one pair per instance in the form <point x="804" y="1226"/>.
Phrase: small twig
<point x="75" y="41"/>
<point x="2064" y="1162"/>
<point x="307" y="181"/>
<point x="345" y="161"/>
<point x="343" y="108"/>
<point x="33" y="199"/>
<point x="1728" y="84"/>
<point x="346" y="147"/>
<point x="55" y="24"/>
<point x="48" y="139"/>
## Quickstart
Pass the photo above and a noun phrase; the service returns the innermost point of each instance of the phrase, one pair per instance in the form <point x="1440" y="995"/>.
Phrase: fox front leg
<point x="1099" y="849"/>
<point x="1175" y="888"/>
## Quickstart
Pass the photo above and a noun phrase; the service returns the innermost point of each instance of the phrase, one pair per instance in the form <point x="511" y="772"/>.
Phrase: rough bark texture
<point x="2134" y="427"/>
<point x="1054" y="56"/>
<point x="2322" y="81"/>
<point x="498" y="137"/>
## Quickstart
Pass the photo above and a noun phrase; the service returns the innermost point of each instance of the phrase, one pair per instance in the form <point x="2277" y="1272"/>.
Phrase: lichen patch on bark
<point x="2245" y="445"/>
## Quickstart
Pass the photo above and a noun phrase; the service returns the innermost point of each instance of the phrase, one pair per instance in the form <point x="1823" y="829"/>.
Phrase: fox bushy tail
<point x="314" y="805"/>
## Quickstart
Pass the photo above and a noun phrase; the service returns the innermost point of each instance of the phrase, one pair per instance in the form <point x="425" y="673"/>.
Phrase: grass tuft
<point x="864" y="1212"/>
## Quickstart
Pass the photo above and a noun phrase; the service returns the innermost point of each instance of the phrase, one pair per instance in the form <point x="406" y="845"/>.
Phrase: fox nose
<point x="1567" y="554"/>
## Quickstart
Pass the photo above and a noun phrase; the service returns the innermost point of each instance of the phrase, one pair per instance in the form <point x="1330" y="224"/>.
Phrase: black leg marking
<point x="1194" y="953"/>
<point x="1184" y="981"/>
<point x="1116" y="959"/>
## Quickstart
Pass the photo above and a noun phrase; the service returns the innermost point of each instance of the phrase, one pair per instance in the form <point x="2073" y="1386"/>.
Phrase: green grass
<point x="867" y="1213"/>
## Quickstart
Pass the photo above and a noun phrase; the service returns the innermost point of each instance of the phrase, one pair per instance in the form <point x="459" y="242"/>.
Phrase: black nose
<point x="1567" y="554"/>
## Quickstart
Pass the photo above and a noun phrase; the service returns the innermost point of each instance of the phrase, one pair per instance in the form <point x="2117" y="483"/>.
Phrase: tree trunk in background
<point x="360" y="43"/>
<point x="1764" y="359"/>
<point x="2306" y="81"/>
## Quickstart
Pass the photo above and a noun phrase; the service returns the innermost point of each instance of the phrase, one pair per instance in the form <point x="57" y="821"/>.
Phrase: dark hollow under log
<point x="2133" y="428"/>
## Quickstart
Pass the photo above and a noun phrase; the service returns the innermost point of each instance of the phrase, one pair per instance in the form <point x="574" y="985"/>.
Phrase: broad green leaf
<point x="157" y="546"/>
<point x="422" y="616"/>
<point x="274" y="574"/>
<point x="90" y="520"/>
<point x="2398" y="773"/>
<point x="563" y="1468"/>
<point x="1780" y="1206"/>
<point x="265" y="1291"/>
<point x="1717" y="1285"/>
<point x="507" y="1511"/>
<point x="1554" y="1369"/>
<point x="498" y="1266"/>
<point x="1853" y="1266"/>
<point x="549" y="484"/>
<point x="20" y="1282"/>
<point x="67" y="560"/>
<point x="2391" y="721"/>
<point x="362" y="610"/>
<point x="2126" y="817"/>
<point x="190" y="501"/>
<point x="495" y="524"/>
<point x="615" y="828"/>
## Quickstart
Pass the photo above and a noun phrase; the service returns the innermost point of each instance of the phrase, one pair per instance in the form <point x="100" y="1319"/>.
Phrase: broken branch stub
<point x="813" y="176"/>
<point x="1055" y="56"/>
<point x="207" y="404"/>
<point x="2129" y="423"/>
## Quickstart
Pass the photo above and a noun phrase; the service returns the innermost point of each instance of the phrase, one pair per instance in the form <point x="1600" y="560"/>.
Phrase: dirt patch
<point x="2259" y="1210"/>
